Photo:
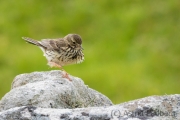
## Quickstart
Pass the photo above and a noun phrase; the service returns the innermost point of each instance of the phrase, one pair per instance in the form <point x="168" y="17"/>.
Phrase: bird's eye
<point x="74" y="42"/>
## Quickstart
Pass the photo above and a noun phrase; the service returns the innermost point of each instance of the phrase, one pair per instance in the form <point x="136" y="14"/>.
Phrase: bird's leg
<point x="65" y="74"/>
<point x="53" y="64"/>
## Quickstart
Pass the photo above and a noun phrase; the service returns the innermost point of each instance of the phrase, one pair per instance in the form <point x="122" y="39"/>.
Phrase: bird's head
<point x="74" y="41"/>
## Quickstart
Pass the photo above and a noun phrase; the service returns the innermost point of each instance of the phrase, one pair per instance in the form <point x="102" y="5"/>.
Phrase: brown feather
<point x="53" y="44"/>
<point x="61" y="51"/>
<point x="32" y="41"/>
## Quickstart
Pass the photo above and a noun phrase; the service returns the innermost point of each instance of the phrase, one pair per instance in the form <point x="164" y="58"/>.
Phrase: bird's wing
<point x="54" y="44"/>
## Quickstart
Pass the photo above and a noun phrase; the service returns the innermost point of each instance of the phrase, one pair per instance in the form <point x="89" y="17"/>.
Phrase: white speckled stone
<point x="50" y="90"/>
<point x="48" y="96"/>
<point x="149" y="108"/>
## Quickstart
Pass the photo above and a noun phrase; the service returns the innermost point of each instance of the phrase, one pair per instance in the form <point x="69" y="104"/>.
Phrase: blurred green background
<point x="131" y="47"/>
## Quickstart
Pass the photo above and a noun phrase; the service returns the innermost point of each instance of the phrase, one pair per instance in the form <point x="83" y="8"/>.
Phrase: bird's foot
<point x="65" y="75"/>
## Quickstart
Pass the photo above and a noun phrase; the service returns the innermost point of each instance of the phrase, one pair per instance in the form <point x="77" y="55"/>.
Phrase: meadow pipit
<point x="61" y="51"/>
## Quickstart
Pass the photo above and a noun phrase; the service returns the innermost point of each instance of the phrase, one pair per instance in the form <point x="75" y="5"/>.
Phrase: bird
<point x="60" y="52"/>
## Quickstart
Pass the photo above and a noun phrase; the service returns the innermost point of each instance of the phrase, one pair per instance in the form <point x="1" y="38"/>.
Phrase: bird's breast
<point x="69" y="56"/>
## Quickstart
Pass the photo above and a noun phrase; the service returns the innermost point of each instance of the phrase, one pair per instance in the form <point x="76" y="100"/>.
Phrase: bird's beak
<point x="80" y="47"/>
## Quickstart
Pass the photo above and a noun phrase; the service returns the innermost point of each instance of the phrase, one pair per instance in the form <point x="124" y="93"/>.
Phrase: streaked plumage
<point x="62" y="51"/>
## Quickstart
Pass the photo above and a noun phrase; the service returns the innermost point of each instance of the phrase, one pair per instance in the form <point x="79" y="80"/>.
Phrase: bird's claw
<point x="65" y="75"/>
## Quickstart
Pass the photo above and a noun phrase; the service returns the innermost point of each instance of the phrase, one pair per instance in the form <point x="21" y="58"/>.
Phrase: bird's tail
<point x="31" y="41"/>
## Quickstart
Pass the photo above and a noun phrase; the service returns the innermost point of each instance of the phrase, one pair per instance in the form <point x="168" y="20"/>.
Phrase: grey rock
<point x="165" y="107"/>
<point x="50" y="90"/>
<point x="48" y="96"/>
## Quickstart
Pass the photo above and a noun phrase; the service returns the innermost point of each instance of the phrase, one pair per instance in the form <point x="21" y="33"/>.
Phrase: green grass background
<point x="131" y="47"/>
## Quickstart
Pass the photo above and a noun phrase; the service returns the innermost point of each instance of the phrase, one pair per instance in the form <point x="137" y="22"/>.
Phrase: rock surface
<point x="150" y="108"/>
<point x="48" y="96"/>
<point x="50" y="90"/>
